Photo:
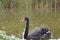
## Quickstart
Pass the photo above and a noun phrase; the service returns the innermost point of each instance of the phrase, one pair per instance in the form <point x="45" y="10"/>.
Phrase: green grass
<point x="9" y="20"/>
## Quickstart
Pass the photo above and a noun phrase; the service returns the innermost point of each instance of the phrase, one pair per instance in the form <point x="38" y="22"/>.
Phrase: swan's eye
<point x="26" y="18"/>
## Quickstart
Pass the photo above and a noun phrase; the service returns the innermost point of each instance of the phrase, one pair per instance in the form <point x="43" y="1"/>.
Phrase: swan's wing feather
<point x="35" y="34"/>
<point x="38" y="33"/>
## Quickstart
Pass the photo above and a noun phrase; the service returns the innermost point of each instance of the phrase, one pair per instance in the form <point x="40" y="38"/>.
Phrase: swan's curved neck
<point x="27" y="29"/>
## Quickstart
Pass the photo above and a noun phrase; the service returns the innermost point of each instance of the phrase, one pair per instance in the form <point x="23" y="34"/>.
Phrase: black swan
<point x="37" y="34"/>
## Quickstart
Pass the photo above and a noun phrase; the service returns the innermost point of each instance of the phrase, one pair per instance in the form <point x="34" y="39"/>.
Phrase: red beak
<point x="22" y="20"/>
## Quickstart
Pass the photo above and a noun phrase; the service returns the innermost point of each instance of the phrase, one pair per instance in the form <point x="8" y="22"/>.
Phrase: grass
<point x="9" y="20"/>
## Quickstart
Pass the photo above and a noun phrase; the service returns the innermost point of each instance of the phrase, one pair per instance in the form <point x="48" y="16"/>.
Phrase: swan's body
<point x="37" y="33"/>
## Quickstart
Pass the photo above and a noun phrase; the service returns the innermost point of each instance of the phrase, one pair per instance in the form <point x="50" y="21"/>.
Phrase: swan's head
<point x="25" y="19"/>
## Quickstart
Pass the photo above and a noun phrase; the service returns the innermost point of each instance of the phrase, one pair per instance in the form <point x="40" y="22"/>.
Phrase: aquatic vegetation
<point x="4" y="36"/>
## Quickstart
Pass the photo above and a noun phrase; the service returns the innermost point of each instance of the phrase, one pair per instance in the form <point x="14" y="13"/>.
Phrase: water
<point x="9" y="20"/>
